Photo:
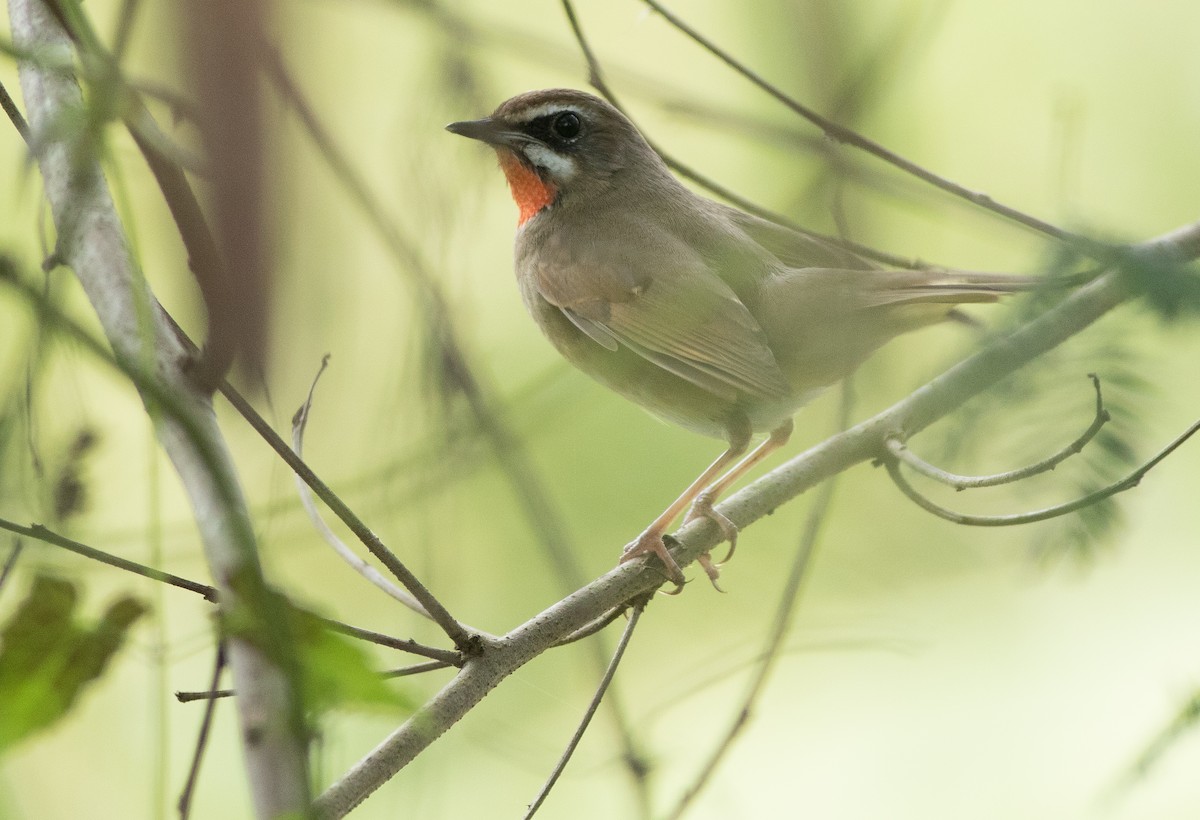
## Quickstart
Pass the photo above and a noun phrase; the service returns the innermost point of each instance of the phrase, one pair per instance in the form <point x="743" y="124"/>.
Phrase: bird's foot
<point x="651" y="542"/>
<point x="702" y="507"/>
<point x="711" y="568"/>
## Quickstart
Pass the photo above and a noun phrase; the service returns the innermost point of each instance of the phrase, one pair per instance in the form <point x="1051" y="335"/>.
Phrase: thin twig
<point x="618" y="653"/>
<point x="462" y="636"/>
<point x="780" y="627"/>
<point x="129" y="11"/>
<point x="442" y="656"/>
<point x="14" y="114"/>
<point x="207" y="694"/>
<point x="595" y="626"/>
<point x="899" y="449"/>
<point x="416" y="669"/>
<point x="11" y="561"/>
<point x="850" y="137"/>
<point x="299" y="425"/>
<point x="40" y="533"/>
<point x="1127" y="483"/>
<point x="189" y="786"/>
<point x="403" y="672"/>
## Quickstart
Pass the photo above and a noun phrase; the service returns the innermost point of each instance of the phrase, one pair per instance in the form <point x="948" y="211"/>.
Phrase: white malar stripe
<point x="560" y="167"/>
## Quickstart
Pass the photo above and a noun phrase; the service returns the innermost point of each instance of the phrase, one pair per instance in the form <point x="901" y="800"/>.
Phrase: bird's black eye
<point x="566" y="125"/>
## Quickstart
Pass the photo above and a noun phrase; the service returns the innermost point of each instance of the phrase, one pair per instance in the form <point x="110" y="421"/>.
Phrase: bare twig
<point x="899" y="449"/>
<point x="403" y="672"/>
<point x="598" y="625"/>
<point x="299" y="424"/>
<point x="10" y="561"/>
<point x="416" y="669"/>
<point x="445" y="657"/>
<point x="129" y="12"/>
<point x="207" y="694"/>
<point x="850" y="137"/>
<point x="39" y="532"/>
<point x="14" y="113"/>
<point x="1184" y="721"/>
<point x="462" y="635"/>
<point x="205" y="260"/>
<point x="1127" y="483"/>
<point x="189" y="786"/>
<point x="618" y="653"/>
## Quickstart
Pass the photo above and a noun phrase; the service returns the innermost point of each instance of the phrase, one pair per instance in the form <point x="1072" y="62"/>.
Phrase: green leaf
<point x="47" y="657"/>
<point x="334" y="671"/>
<point x="337" y="672"/>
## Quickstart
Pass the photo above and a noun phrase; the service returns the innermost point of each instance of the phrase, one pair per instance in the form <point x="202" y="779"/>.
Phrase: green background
<point x="932" y="671"/>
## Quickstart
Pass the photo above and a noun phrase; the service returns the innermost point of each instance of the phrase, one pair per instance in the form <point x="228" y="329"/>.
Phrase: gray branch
<point x="92" y="242"/>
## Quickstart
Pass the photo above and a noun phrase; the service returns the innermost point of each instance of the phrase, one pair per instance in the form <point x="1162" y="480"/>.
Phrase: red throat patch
<point x="528" y="190"/>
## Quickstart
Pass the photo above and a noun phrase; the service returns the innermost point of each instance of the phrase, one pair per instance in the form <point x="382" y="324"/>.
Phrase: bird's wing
<point x="792" y="248"/>
<point x="683" y="319"/>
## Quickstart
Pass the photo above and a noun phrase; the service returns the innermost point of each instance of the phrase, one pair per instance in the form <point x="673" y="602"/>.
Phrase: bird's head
<point x="560" y="142"/>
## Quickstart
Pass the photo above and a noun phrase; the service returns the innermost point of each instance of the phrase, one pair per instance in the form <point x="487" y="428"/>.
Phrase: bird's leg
<point x="651" y="539"/>
<point x="702" y="507"/>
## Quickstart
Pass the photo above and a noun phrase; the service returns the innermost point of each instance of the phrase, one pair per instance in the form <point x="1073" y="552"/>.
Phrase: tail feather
<point x="942" y="287"/>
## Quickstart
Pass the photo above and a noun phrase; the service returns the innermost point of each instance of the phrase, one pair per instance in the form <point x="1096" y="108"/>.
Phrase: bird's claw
<point x="711" y="569"/>
<point x="703" y="507"/>
<point x="650" y="542"/>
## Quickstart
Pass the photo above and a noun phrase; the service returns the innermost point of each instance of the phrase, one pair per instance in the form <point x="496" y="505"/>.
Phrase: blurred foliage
<point x="335" y="672"/>
<point x="1170" y="288"/>
<point x="48" y="657"/>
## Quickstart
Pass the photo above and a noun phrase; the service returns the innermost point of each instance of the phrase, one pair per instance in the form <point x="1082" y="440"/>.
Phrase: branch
<point x="1127" y="483"/>
<point x="184" y="804"/>
<point x="590" y="712"/>
<point x="373" y="576"/>
<point x="213" y="693"/>
<point x="92" y="242"/>
<point x="847" y="136"/>
<point x="40" y="533"/>
<point x="864" y="442"/>
<point x="899" y="450"/>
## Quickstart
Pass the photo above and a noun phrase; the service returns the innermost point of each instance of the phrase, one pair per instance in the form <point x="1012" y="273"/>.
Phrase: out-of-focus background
<point x="932" y="671"/>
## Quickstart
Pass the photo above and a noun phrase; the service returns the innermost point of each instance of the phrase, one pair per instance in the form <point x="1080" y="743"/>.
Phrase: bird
<point x="709" y="317"/>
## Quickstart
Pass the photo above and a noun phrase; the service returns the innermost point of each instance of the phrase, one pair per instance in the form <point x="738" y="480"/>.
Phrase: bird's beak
<point x="487" y="130"/>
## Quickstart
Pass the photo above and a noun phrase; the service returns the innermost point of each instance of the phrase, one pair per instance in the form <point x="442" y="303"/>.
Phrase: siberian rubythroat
<point x="708" y="317"/>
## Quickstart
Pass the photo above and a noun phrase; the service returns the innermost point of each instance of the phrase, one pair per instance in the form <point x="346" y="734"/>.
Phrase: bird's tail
<point x="905" y="287"/>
